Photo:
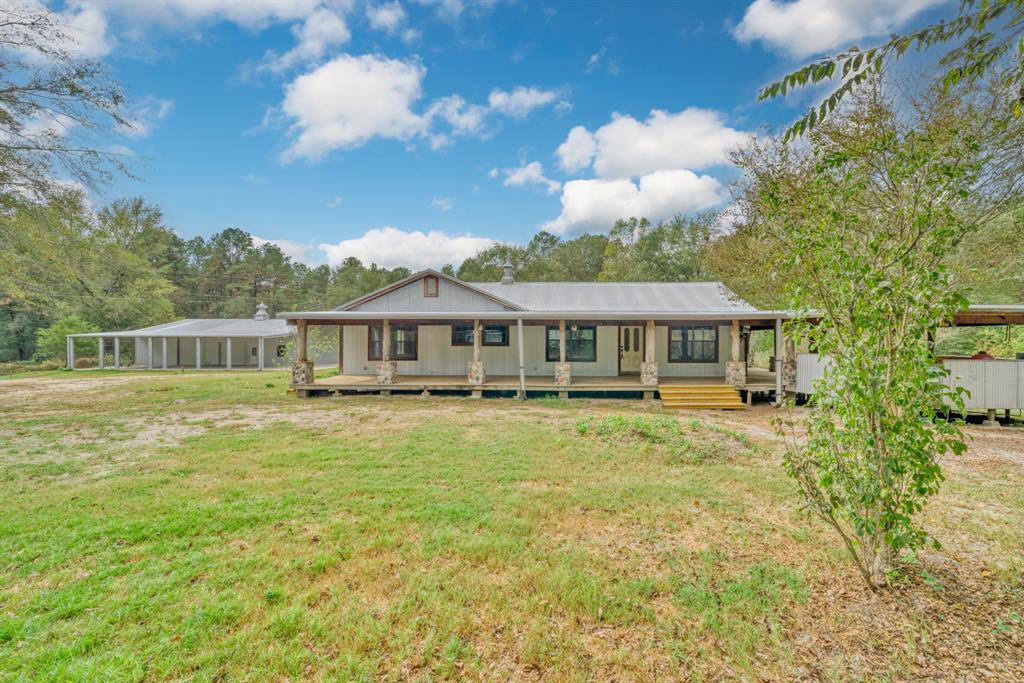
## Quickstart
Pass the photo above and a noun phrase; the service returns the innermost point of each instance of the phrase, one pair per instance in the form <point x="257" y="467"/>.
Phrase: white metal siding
<point x="809" y="369"/>
<point x="450" y="297"/>
<point x="996" y="384"/>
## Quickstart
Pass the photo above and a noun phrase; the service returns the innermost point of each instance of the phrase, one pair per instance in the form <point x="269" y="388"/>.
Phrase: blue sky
<point x="413" y="132"/>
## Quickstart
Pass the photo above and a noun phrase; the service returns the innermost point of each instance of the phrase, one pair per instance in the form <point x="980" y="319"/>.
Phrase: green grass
<point x="212" y="527"/>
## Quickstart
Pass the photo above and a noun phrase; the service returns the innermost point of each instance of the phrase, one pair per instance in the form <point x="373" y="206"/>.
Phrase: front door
<point x="631" y="348"/>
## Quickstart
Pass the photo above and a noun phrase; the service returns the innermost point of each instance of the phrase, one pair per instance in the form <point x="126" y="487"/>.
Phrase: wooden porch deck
<point x="758" y="380"/>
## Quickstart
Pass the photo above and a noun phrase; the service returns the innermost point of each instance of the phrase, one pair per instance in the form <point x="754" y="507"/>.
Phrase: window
<point x="403" y="342"/>
<point x="493" y="335"/>
<point x="636" y="338"/>
<point x="625" y="341"/>
<point x="430" y="285"/>
<point x="693" y="344"/>
<point x="580" y="343"/>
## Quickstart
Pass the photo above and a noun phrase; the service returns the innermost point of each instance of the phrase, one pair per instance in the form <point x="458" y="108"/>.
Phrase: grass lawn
<point x="209" y="526"/>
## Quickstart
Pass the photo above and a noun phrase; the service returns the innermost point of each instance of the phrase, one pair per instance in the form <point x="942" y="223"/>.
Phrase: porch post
<point x="260" y="354"/>
<point x="736" y="369"/>
<point x="227" y="340"/>
<point x="341" y="349"/>
<point x="71" y="352"/>
<point x="117" y="353"/>
<point x="522" y="362"/>
<point x="102" y="359"/>
<point x="387" y="369"/>
<point x="149" y="353"/>
<point x="302" y="368"/>
<point x="563" y="370"/>
<point x="477" y="372"/>
<point x="164" y="339"/>
<point x="778" y="361"/>
<point x="789" y="365"/>
<point x="649" y="367"/>
<point x="199" y="353"/>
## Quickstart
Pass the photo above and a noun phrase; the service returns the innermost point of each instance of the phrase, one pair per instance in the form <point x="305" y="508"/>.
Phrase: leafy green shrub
<point x="51" y="342"/>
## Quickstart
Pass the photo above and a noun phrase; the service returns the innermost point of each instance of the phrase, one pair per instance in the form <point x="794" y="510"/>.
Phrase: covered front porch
<point x="534" y="355"/>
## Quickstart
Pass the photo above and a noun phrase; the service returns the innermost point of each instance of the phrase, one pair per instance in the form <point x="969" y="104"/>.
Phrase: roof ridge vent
<point x="261" y="312"/>
<point x="507" y="274"/>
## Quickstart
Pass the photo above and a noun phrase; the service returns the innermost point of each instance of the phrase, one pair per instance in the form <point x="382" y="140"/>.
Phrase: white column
<point x="199" y="353"/>
<point x="650" y="353"/>
<point x="522" y="362"/>
<point x="71" y="353"/>
<point x="259" y="352"/>
<point x="117" y="353"/>
<point x="165" y="353"/>
<point x="228" y="341"/>
<point x="102" y="354"/>
<point x="778" y="362"/>
<point x="149" y="353"/>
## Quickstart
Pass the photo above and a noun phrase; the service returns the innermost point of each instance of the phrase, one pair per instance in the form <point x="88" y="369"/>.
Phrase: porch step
<point x="701" y="397"/>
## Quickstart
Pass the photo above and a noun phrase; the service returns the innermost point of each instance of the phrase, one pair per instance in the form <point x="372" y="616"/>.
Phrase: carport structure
<point x="229" y="343"/>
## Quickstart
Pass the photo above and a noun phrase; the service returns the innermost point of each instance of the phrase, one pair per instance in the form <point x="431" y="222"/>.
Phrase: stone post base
<point x="789" y="374"/>
<point x="649" y="374"/>
<point x="477" y="374"/>
<point x="563" y="374"/>
<point x="387" y="371"/>
<point x="302" y="372"/>
<point x="736" y="373"/>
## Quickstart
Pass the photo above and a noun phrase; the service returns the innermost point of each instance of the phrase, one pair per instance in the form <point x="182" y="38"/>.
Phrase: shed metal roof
<point x="205" y="327"/>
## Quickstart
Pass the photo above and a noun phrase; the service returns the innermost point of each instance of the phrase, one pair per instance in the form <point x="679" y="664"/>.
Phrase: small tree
<point x="51" y="341"/>
<point x="864" y="218"/>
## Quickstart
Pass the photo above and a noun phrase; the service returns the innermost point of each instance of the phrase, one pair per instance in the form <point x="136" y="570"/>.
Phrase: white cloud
<point x="444" y="204"/>
<point x="321" y="31"/>
<point x="803" y="28"/>
<point x="47" y="124"/>
<point x="146" y="114"/>
<point x="350" y="100"/>
<point x="388" y="17"/>
<point x="578" y="150"/>
<point x="520" y="101"/>
<point x="122" y="150"/>
<point x="390" y="247"/>
<point x="493" y="173"/>
<point x="595" y="59"/>
<point x="334" y="203"/>
<point x="86" y="25"/>
<point x="530" y="174"/>
<point x="597" y="204"/>
<point x="294" y="250"/>
<point x="464" y="118"/>
<point x="411" y="35"/>
<point x="177" y="14"/>
<point x="625" y="147"/>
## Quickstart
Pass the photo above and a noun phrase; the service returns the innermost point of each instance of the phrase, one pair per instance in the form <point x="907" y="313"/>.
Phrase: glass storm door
<point x="631" y="349"/>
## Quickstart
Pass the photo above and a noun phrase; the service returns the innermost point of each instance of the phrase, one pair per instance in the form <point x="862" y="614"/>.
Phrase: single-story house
<point x="434" y="332"/>
<point x="230" y="343"/>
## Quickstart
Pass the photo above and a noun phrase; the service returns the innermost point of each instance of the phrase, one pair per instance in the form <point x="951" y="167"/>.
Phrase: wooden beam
<point x="71" y="353"/>
<point x="302" y="341"/>
<point x="522" y="362"/>
<point x="561" y="341"/>
<point x="477" y="334"/>
<point x="117" y="353"/>
<point x="778" y="362"/>
<point x="385" y="342"/>
<point x="341" y="350"/>
<point x="735" y="337"/>
<point x="650" y="353"/>
<point x="102" y="354"/>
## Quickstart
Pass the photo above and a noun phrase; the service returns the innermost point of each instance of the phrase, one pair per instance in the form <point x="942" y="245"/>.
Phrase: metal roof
<point x="609" y="297"/>
<point x="205" y="327"/>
